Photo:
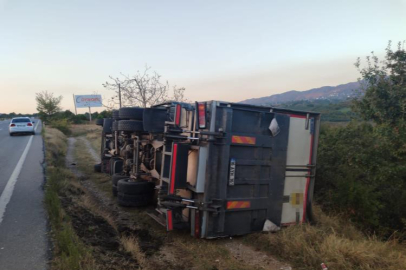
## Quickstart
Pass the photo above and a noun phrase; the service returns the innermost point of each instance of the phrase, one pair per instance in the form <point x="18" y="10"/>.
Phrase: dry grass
<point x="334" y="242"/>
<point x="80" y="130"/>
<point x="85" y="164"/>
<point x="131" y="245"/>
<point x="56" y="145"/>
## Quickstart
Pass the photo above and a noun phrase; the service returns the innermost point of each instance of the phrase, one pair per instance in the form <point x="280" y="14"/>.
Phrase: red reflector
<point x="178" y="112"/>
<point x="169" y="221"/>
<point x="29" y="124"/>
<point x="202" y="115"/>
<point x="197" y="224"/>
<point x="12" y="125"/>
<point x="173" y="172"/>
<point x="238" y="204"/>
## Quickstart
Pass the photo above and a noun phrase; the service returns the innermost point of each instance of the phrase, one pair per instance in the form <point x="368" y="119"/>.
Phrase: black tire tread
<point x="99" y="121"/>
<point x="130" y="125"/>
<point x="107" y="125"/>
<point x="133" y="200"/>
<point x="117" y="177"/>
<point x="97" y="167"/>
<point x="133" y="113"/>
<point x="129" y="187"/>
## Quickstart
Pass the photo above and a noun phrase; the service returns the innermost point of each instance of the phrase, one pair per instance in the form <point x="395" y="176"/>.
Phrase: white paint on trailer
<point x="299" y="143"/>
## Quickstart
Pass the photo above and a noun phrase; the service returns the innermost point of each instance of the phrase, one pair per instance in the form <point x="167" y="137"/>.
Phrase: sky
<point x="217" y="49"/>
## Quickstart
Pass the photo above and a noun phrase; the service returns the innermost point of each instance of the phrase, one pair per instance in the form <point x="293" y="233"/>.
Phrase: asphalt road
<point x="24" y="240"/>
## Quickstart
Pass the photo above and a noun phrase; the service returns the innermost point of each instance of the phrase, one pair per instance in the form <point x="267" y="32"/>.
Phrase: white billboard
<point x="85" y="101"/>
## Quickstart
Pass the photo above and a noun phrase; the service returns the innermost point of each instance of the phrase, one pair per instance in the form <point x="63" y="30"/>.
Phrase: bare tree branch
<point x="144" y="89"/>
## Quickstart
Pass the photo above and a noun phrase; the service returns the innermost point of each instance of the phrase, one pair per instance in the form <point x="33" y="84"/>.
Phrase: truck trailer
<point x="215" y="168"/>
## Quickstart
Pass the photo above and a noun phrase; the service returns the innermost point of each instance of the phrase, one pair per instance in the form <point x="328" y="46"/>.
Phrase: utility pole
<point x="119" y="94"/>
<point x="74" y="103"/>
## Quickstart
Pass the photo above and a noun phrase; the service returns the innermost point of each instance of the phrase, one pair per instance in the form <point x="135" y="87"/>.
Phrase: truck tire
<point x="107" y="125"/>
<point x="133" y="200"/>
<point x="116" y="115"/>
<point x="133" y="113"/>
<point x="97" y="167"/>
<point x="117" y="166"/>
<point x="99" y="121"/>
<point x="130" y="126"/>
<point x="128" y="187"/>
<point x="114" y="127"/>
<point x="116" y="177"/>
<point x="114" y="190"/>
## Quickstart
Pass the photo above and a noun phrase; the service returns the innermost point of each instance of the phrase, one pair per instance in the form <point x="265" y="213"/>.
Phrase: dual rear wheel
<point x="132" y="193"/>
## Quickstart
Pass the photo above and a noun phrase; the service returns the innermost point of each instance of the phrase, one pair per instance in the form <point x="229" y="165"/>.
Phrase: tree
<point x="382" y="96"/>
<point x="143" y="89"/>
<point x="47" y="104"/>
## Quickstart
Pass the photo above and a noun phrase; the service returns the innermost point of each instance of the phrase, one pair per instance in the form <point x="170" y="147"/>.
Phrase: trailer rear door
<point x="245" y="171"/>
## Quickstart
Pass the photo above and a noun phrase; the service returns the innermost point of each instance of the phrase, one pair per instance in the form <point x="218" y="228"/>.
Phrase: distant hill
<point x="331" y="110"/>
<point x="339" y="92"/>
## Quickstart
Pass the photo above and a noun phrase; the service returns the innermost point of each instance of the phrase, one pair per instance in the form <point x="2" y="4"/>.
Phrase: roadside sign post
<point x="88" y="101"/>
<point x="74" y="103"/>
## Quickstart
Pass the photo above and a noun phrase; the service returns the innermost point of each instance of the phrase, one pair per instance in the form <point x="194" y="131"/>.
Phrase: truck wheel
<point x="116" y="177"/>
<point x="133" y="200"/>
<point x="117" y="166"/>
<point x="114" y="190"/>
<point x="128" y="187"/>
<point x="99" y="121"/>
<point x="130" y="125"/>
<point x="116" y="115"/>
<point x="114" y="127"/>
<point x="107" y="125"/>
<point x="133" y="113"/>
<point x="97" y="167"/>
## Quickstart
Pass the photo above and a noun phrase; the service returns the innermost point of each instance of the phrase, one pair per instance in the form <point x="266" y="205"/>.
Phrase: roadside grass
<point x="85" y="164"/>
<point x="83" y="129"/>
<point x="69" y="252"/>
<point x="331" y="241"/>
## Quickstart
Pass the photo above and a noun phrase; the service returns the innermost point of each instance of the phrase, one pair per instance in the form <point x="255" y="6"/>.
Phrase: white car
<point x="21" y="125"/>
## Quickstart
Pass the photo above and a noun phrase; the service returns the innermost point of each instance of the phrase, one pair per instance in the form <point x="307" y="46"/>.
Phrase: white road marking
<point x="35" y="129"/>
<point x="8" y="190"/>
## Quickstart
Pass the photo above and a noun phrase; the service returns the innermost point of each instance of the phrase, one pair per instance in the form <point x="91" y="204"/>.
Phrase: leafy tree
<point x="361" y="168"/>
<point x="47" y="104"/>
<point x="383" y="93"/>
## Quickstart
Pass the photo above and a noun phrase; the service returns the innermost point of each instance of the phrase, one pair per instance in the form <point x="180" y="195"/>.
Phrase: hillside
<point x="333" y="93"/>
<point x="331" y="110"/>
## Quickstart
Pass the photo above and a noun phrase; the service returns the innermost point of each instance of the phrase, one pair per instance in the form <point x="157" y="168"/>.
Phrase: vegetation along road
<point x="23" y="225"/>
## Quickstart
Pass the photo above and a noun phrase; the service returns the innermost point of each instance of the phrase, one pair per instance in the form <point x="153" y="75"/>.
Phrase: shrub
<point x="61" y="124"/>
<point x="361" y="171"/>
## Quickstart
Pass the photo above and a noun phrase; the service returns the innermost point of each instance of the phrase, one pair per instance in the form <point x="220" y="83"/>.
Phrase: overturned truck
<point x="216" y="168"/>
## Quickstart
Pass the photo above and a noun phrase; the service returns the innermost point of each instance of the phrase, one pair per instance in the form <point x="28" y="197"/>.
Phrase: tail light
<point x="177" y="116"/>
<point x="12" y="125"/>
<point x="29" y="124"/>
<point x="201" y="112"/>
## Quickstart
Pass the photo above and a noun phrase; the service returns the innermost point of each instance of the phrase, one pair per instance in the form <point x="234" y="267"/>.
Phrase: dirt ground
<point x="108" y="228"/>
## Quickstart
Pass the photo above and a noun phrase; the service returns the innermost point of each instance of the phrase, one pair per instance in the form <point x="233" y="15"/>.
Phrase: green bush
<point x="61" y="124"/>
<point x="361" y="173"/>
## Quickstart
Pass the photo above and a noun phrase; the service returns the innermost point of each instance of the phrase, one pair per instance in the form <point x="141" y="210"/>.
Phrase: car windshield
<point x="21" y="120"/>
